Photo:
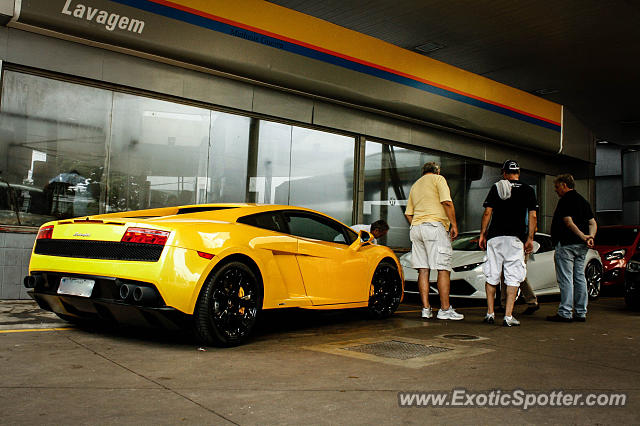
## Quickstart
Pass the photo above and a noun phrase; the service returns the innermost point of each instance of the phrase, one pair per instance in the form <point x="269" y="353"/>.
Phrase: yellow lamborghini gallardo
<point x="213" y="267"/>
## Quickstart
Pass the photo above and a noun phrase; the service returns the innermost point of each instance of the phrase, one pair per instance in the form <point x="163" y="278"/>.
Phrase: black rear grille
<point x="108" y="250"/>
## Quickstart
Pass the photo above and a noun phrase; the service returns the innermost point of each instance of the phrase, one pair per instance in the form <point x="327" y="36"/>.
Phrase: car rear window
<point x="272" y="221"/>
<point x="616" y="236"/>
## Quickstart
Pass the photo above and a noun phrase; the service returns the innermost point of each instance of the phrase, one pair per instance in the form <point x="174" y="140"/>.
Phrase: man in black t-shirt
<point x="572" y="230"/>
<point x="507" y="206"/>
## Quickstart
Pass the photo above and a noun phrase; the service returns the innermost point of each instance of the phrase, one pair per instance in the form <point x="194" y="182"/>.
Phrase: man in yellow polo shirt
<point x="433" y="225"/>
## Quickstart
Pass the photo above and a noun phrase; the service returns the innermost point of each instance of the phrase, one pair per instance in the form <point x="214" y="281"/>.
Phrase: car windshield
<point x="616" y="236"/>
<point x="467" y="241"/>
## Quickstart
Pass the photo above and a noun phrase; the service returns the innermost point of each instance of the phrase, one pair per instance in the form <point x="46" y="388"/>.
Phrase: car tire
<point x="593" y="275"/>
<point x="228" y="306"/>
<point x="385" y="291"/>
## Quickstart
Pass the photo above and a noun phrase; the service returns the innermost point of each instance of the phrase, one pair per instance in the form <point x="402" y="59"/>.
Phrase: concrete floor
<point x="296" y="370"/>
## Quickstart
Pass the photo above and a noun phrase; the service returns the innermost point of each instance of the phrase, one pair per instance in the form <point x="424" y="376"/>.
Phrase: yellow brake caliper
<point x="241" y="296"/>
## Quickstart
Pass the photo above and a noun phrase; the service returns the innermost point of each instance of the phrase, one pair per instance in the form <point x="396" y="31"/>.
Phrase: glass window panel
<point x="322" y="172"/>
<point x="303" y="167"/>
<point x="480" y="179"/>
<point x="270" y="183"/>
<point x="228" y="158"/>
<point x="389" y="173"/>
<point x="158" y="153"/>
<point x="53" y="138"/>
<point x="455" y="172"/>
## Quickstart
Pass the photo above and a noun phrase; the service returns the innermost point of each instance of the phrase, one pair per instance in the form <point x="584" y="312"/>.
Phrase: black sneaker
<point x="580" y="319"/>
<point x="558" y="318"/>
<point x="489" y="319"/>
<point x="531" y="309"/>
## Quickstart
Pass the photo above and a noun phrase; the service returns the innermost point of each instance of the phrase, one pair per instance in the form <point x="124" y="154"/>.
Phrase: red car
<point x="616" y="245"/>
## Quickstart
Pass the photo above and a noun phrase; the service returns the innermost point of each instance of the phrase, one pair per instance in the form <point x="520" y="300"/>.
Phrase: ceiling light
<point x="429" y="47"/>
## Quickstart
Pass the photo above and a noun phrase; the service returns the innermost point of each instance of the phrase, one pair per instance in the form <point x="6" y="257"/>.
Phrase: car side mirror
<point x="364" y="238"/>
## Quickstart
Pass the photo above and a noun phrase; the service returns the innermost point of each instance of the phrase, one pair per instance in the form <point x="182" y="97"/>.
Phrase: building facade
<point x="130" y="104"/>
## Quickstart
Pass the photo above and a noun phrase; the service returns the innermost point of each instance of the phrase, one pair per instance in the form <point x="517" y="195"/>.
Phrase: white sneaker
<point x="449" y="314"/>
<point x="427" y="313"/>
<point x="510" y="321"/>
<point x="489" y="319"/>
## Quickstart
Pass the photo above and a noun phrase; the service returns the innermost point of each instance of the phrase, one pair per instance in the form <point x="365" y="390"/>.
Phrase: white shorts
<point x="430" y="247"/>
<point x="505" y="255"/>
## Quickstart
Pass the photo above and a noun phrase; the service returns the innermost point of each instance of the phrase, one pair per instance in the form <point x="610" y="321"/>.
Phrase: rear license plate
<point x="76" y="286"/>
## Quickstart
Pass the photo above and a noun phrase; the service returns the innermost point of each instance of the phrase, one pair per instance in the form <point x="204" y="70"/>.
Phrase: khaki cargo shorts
<point x="430" y="246"/>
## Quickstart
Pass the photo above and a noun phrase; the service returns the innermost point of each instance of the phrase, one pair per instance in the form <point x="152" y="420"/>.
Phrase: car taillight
<point x="45" y="233"/>
<point x="145" y="236"/>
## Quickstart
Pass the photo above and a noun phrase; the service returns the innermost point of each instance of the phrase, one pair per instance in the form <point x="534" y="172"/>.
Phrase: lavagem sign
<point x="111" y="21"/>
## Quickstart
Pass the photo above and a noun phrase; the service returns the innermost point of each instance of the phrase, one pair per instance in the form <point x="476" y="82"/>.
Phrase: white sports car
<point x="467" y="279"/>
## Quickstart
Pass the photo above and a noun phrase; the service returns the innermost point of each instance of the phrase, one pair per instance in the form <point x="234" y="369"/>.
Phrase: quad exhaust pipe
<point x="139" y="294"/>
<point x="144" y="295"/>
<point x="30" y="281"/>
<point x="126" y="291"/>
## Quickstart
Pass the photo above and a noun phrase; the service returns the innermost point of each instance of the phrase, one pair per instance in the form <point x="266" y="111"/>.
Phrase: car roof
<point x="228" y="212"/>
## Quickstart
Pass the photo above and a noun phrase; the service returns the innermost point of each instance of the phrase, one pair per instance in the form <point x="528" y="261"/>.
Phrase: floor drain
<point x="397" y="349"/>
<point x="460" y="337"/>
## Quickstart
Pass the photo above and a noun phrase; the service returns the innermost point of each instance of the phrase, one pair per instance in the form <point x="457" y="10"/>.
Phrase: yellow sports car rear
<point x="213" y="267"/>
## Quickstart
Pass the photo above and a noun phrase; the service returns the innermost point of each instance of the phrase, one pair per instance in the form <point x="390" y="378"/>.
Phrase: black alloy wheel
<point x="385" y="291"/>
<point x="593" y="274"/>
<point x="228" y="306"/>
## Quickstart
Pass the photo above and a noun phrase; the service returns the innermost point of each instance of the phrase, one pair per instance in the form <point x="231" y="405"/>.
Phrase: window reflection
<point x="52" y="149"/>
<point x="158" y="154"/>
<point x="55" y="136"/>
<point x="322" y="172"/>
<point x="391" y="171"/>
<point x="303" y="167"/>
<point x="228" y="155"/>
<point x="271" y="173"/>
